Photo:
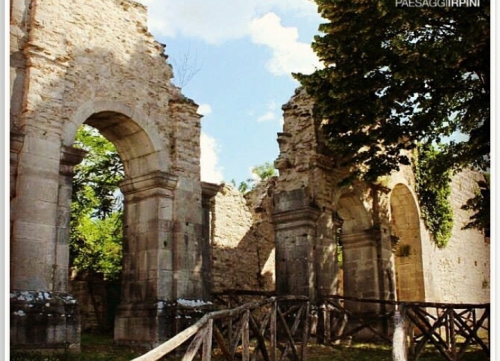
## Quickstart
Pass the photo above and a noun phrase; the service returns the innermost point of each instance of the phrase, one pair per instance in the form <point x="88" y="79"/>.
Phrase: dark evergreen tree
<point x="395" y="77"/>
<point x="398" y="76"/>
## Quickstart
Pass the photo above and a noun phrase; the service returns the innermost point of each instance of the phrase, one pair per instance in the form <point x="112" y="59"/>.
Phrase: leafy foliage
<point x="243" y="187"/>
<point x="395" y="77"/>
<point x="264" y="171"/>
<point x="96" y="210"/>
<point x="480" y="204"/>
<point x="433" y="189"/>
<point x="261" y="172"/>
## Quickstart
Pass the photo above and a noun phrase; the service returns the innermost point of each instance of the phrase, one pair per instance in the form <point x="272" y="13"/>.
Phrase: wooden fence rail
<point x="266" y="321"/>
<point x="270" y="328"/>
<point x="450" y="328"/>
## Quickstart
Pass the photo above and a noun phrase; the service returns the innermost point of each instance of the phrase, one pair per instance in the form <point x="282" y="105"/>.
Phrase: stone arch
<point x="405" y="229"/>
<point x="354" y="214"/>
<point x="121" y="87"/>
<point x="128" y="128"/>
<point x="149" y="195"/>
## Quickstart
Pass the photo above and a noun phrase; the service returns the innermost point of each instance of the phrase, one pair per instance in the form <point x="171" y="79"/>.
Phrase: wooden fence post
<point x="305" y="332"/>
<point x="245" y="336"/>
<point x="272" y="330"/>
<point x="207" y="341"/>
<point x="399" y="351"/>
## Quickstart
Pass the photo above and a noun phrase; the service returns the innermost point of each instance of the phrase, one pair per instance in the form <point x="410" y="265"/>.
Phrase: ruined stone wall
<point x="78" y="54"/>
<point x="457" y="273"/>
<point x="304" y="213"/>
<point x="97" y="300"/>
<point x="79" y="62"/>
<point x="461" y="270"/>
<point x="242" y="244"/>
<point x="377" y="222"/>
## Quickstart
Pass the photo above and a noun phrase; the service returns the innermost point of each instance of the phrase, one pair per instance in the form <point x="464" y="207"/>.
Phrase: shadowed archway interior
<point x="408" y="257"/>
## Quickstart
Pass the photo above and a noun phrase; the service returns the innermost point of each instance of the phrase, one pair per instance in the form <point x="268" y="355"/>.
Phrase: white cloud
<point x="270" y="114"/>
<point x="288" y="54"/>
<point x="213" y="21"/>
<point x="266" y="117"/>
<point x="204" y="109"/>
<point x="210" y="169"/>
<point x="216" y="21"/>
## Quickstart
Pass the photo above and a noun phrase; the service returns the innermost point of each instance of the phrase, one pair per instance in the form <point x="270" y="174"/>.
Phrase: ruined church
<point x="79" y="62"/>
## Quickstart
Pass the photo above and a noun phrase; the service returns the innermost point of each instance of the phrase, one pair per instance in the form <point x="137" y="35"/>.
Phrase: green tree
<point x="261" y="173"/>
<point x="480" y="204"/>
<point x="96" y="210"/>
<point x="395" y="77"/>
<point x="432" y="184"/>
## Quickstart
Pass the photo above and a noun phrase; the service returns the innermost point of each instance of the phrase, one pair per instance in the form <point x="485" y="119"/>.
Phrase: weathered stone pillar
<point x="362" y="280"/>
<point x="43" y="315"/>
<point x="148" y="267"/>
<point x="34" y="211"/>
<point x="361" y="274"/>
<point x="16" y="144"/>
<point x="327" y="271"/>
<point x="295" y="219"/>
<point x="325" y="255"/>
<point x="209" y="191"/>
<point x="69" y="158"/>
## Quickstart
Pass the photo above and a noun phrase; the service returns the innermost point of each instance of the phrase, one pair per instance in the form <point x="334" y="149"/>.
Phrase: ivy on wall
<point x="433" y="189"/>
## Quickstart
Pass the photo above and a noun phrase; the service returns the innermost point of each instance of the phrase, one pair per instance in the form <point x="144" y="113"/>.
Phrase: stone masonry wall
<point x="79" y="62"/>
<point x="457" y="273"/>
<point x="461" y="270"/>
<point x="242" y="243"/>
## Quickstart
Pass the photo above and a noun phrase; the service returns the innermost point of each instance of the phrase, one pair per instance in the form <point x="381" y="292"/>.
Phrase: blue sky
<point x="241" y="54"/>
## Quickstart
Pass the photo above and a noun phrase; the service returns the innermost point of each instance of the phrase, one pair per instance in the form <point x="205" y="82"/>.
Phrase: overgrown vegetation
<point x="96" y="209"/>
<point x="260" y="173"/>
<point x="434" y="189"/>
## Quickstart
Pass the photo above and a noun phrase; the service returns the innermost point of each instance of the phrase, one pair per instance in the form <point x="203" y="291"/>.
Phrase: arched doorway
<point x="405" y="228"/>
<point x="162" y="222"/>
<point x="163" y="243"/>
<point x="96" y="232"/>
<point x="148" y="191"/>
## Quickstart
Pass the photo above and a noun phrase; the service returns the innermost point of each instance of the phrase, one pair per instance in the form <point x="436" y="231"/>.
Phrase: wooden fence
<point x="267" y="328"/>
<point x="450" y="328"/>
<point x="271" y="327"/>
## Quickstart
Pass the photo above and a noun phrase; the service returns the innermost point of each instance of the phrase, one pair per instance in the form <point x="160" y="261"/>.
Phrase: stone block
<point x="37" y="233"/>
<point x="35" y="212"/>
<point x="42" y="152"/>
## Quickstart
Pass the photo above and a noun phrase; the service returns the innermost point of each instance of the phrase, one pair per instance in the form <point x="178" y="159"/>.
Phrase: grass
<point x="378" y="352"/>
<point x="94" y="347"/>
<point x="97" y="347"/>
